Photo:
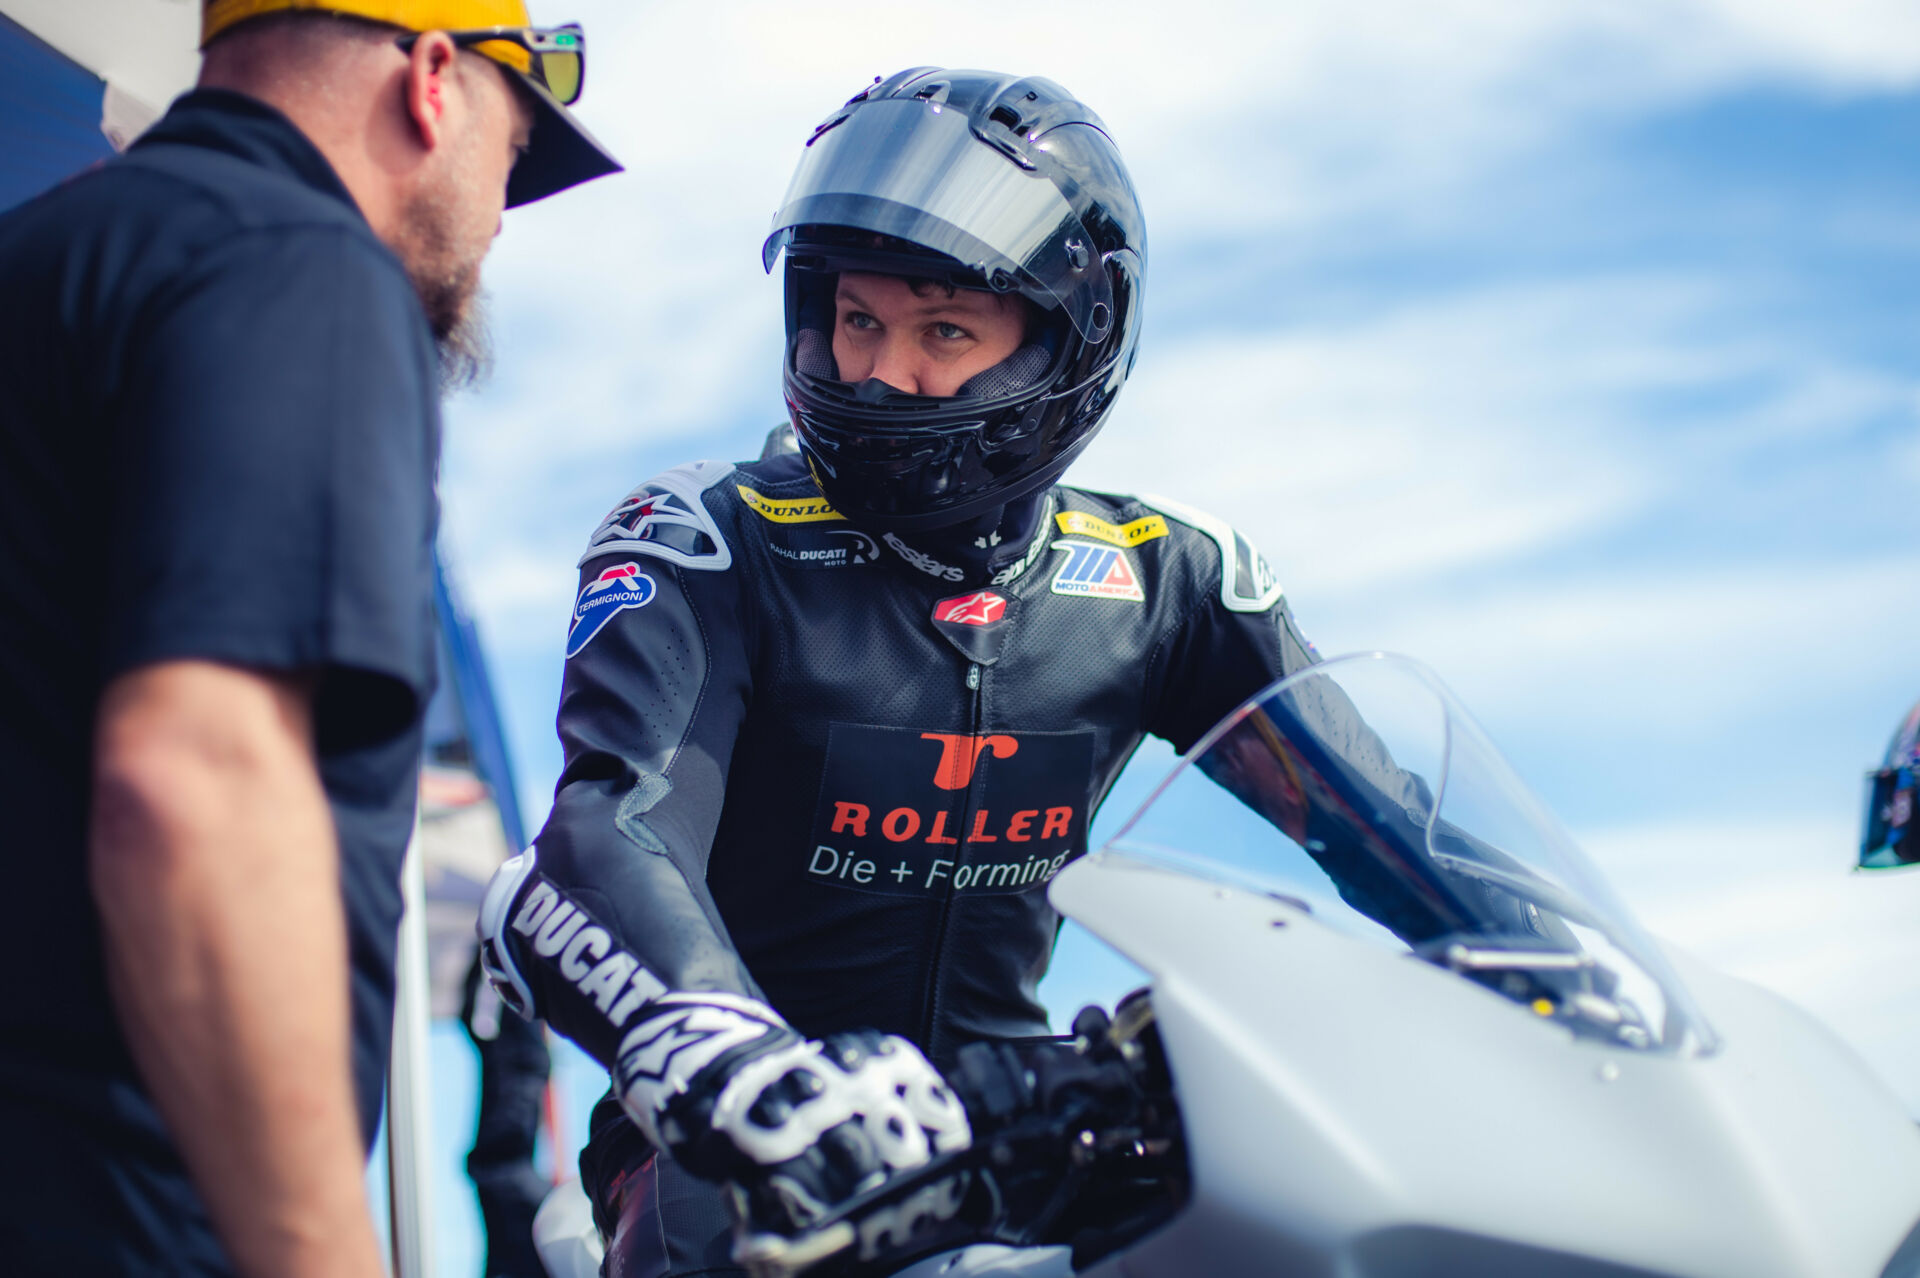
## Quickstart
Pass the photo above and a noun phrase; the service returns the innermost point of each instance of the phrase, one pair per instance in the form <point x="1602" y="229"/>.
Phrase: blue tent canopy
<point x="50" y="112"/>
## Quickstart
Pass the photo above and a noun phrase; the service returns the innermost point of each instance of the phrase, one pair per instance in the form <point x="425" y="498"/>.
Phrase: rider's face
<point x="921" y="339"/>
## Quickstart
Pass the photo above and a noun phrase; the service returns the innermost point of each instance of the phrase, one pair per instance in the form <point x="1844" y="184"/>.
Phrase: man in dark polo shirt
<point x="218" y="438"/>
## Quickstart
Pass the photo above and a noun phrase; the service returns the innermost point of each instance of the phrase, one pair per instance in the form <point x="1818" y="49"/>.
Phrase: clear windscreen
<point x="916" y="171"/>
<point x="1361" y="789"/>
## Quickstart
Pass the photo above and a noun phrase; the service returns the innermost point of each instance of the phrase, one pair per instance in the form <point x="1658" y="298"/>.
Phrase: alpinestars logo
<point x="642" y="516"/>
<point x="665" y="518"/>
<point x="925" y="563"/>
<point x="1018" y="569"/>
<point x="662" y="1042"/>
<point x="980" y="609"/>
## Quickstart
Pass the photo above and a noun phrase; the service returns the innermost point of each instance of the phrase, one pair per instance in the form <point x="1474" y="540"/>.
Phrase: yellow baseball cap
<point x="550" y="63"/>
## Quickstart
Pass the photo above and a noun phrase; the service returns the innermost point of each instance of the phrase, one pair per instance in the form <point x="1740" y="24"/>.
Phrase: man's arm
<point x="215" y="870"/>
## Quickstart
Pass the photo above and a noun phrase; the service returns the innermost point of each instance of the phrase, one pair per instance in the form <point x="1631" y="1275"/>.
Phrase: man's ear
<point x="430" y="84"/>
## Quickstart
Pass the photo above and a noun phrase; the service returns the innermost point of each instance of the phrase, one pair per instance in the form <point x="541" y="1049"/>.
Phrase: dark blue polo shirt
<point x="218" y="434"/>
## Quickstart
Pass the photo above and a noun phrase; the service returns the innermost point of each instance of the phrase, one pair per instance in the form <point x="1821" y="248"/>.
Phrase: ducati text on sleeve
<point x="615" y="590"/>
<point x="560" y="934"/>
<point x="907" y="813"/>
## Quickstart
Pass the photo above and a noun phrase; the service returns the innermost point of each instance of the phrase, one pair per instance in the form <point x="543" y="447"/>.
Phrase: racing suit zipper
<point x="931" y="1003"/>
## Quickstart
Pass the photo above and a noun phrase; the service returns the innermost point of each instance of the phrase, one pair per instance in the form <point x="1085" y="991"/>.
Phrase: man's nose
<point x="896" y="364"/>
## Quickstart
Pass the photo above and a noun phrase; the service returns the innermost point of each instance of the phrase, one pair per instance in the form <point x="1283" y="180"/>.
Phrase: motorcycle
<point x="1396" y="1025"/>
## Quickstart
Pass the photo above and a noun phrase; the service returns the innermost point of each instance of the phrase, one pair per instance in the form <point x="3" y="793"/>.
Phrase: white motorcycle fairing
<point x="1358" y="1113"/>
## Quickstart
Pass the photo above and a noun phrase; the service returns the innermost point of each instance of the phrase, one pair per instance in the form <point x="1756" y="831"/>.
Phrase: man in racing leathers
<point x="834" y="718"/>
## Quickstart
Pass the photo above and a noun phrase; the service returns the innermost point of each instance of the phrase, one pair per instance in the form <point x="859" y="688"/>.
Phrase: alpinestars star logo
<point x="643" y="515"/>
<point x="982" y="608"/>
<point x="649" y="1051"/>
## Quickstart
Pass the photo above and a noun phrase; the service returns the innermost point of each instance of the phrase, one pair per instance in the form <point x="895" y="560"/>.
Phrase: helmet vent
<point x="1007" y="116"/>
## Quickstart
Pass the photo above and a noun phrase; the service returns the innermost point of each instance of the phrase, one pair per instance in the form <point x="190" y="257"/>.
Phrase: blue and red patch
<point x="615" y="590"/>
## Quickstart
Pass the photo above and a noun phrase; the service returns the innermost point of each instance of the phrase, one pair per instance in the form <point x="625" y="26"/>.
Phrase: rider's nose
<point x="894" y="365"/>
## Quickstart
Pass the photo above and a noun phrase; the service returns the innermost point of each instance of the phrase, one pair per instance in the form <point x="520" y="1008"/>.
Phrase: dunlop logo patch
<point x="1080" y="524"/>
<point x="789" y="510"/>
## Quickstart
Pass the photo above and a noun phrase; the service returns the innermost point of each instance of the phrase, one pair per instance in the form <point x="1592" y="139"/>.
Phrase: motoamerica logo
<point x="908" y="813"/>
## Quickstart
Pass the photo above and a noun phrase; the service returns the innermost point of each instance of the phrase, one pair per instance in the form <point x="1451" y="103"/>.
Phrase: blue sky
<point x="1569" y="348"/>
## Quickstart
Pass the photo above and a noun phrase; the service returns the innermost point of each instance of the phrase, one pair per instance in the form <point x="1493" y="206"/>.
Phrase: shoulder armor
<point x="1246" y="582"/>
<point x="666" y="519"/>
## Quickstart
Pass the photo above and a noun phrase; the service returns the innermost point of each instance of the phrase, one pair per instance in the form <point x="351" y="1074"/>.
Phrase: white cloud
<point x="1472" y="428"/>
<point x="1683" y="652"/>
<point x="1774" y="903"/>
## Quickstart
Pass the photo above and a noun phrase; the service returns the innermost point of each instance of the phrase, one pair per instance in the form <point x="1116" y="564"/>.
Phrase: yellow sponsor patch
<point x="789" y="510"/>
<point x="1080" y="524"/>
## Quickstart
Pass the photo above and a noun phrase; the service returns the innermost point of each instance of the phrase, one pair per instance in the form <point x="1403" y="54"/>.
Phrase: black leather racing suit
<point x="784" y="777"/>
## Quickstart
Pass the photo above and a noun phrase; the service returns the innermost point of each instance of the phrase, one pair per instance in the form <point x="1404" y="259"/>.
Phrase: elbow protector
<point x="549" y="959"/>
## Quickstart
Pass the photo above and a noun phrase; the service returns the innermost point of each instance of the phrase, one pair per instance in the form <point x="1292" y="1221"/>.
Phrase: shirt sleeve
<point x="271" y="476"/>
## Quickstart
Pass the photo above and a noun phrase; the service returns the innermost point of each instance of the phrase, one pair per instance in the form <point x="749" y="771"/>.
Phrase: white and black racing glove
<point x="734" y="1094"/>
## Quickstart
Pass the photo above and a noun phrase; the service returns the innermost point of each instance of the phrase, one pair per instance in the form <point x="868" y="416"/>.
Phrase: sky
<point x="1567" y="348"/>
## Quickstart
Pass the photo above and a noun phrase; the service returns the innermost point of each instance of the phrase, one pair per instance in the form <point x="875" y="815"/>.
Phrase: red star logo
<point x="981" y="609"/>
<point x="632" y="519"/>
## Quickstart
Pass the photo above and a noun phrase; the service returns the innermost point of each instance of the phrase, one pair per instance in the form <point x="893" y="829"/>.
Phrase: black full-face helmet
<point x="975" y="180"/>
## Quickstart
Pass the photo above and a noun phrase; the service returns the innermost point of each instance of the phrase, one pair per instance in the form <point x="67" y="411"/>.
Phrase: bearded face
<point x="450" y="221"/>
<point x="449" y="227"/>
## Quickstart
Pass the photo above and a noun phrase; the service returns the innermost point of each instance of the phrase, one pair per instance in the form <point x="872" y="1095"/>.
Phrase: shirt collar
<point x="223" y="120"/>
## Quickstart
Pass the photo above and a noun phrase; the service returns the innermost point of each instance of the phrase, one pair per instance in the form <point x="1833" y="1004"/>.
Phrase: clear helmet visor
<point x="916" y="171"/>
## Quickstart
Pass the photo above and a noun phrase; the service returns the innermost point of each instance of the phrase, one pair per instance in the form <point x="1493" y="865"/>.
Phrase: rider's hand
<point x="723" y="1084"/>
